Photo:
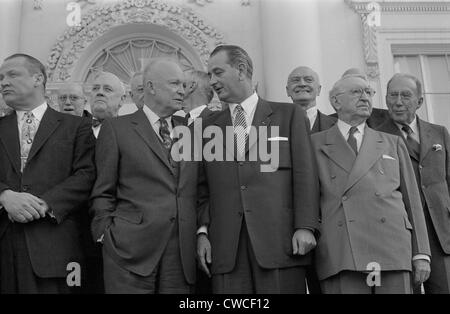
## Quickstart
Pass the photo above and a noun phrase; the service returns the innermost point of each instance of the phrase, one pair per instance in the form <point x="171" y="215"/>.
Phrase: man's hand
<point x="303" y="241"/>
<point x="204" y="253"/>
<point x="22" y="207"/>
<point x="422" y="271"/>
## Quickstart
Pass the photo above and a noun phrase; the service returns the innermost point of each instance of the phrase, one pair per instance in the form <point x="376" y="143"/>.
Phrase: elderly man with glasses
<point x="373" y="232"/>
<point x="71" y="100"/>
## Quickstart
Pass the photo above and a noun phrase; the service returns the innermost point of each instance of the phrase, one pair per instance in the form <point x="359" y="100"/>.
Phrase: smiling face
<point x="71" y="99"/>
<point x="402" y="99"/>
<point x="303" y="87"/>
<point x="107" y="96"/>
<point x="17" y="85"/>
<point x="225" y="79"/>
<point x="164" y="88"/>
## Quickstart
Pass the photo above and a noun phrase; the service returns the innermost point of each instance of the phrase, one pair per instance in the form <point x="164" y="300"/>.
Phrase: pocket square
<point x="277" y="138"/>
<point x="388" y="157"/>
<point x="437" y="147"/>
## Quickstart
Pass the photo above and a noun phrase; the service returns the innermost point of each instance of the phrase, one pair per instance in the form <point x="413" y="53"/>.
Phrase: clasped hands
<point x="23" y="207"/>
<point x="303" y="241"/>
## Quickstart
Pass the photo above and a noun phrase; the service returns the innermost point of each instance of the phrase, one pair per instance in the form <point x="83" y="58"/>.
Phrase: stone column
<point x="290" y="31"/>
<point x="10" y="25"/>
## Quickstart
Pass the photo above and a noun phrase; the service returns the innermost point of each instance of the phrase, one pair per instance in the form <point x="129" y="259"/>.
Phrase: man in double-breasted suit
<point x="429" y="149"/>
<point x="46" y="175"/>
<point x="143" y="201"/>
<point x="371" y="215"/>
<point x="258" y="226"/>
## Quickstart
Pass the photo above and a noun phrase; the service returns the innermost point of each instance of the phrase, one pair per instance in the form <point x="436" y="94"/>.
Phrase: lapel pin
<point x="437" y="147"/>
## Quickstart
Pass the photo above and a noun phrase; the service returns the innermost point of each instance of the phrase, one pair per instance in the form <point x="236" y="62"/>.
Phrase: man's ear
<point x="242" y="69"/>
<point x="149" y="86"/>
<point x="319" y="89"/>
<point x="38" y="79"/>
<point x="419" y="102"/>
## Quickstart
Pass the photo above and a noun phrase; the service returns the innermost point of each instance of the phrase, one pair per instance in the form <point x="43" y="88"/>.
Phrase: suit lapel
<point x="261" y="118"/>
<point x="391" y="128"/>
<point x="337" y="149"/>
<point x="145" y="131"/>
<point x="50" y="122"/>
<point x="426" y="138"/>
<point x="9" y="136"/>
<point x="370" y="151"/>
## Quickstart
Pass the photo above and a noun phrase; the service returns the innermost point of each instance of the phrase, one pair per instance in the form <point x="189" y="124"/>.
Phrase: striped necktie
<point x="240" y="130"/>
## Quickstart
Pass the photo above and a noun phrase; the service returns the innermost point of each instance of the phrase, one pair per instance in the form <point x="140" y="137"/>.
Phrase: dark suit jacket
<point x="377" y="117"/>
<point x="273" y="204"/>
<point x="323" y="122"/>
<point x="434" y="174"/>
<point x="370" y="204"/>
<point x="61" y="171"/>
<point x="136" y="197"/>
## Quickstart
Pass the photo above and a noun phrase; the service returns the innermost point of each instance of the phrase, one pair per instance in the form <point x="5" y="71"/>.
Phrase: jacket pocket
<point x="131" y="215"/>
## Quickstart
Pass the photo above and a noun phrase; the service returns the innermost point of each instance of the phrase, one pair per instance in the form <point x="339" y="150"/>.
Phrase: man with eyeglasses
<point x="369" y="202"/>
<point x="428" y="146"/>
<point x="71" y="100"/>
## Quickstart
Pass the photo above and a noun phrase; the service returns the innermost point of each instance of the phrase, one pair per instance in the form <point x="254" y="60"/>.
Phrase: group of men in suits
<point x="343" y="196"/>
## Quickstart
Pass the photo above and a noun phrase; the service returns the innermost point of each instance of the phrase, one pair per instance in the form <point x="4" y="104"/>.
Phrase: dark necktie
<point x="164" y="132"/>
<point x="412" y="143"/>
<point x="95" y="122"/>
<point x="352" y="139"/>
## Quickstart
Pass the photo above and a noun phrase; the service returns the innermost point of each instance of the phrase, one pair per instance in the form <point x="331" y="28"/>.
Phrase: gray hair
<point x="410" y="77"/>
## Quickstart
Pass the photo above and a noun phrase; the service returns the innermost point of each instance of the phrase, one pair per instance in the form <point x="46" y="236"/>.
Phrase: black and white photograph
<point x="224" y="152"/>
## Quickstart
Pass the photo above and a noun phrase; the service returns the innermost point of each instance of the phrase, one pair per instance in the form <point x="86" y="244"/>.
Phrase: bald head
<point x="107" y="95"/>
<point x="163" y="87"/>
<point x="355" y="72"/>
<point x="303" y="86"/>
<point x="71" y="99"/>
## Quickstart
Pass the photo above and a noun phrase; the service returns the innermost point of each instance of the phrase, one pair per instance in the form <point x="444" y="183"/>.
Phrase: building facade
<point x="76" y="38"/>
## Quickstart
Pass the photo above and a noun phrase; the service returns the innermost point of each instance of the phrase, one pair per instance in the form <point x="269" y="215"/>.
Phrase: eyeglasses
<point x="358" y="92"/>
<point x="403" y="95"/>
<point x="71" y="98"/>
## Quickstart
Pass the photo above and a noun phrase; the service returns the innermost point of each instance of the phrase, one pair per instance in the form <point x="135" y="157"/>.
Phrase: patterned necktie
<point x="28" y="131"/>
<point x="240" y="129"/>
<point x="352" y="139"/>
<point x="164" y="132"/>
<point x="412" y="143"/>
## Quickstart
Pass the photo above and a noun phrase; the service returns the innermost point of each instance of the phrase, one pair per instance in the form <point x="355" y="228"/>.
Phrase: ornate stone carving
<point x="37" y="4"/>
<point x="201" y="2"/>
<point x="184" y="22"/>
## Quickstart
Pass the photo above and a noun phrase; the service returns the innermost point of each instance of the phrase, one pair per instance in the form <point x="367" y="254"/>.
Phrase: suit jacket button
<point x="333" y="176"/>
<point x="243" y="187"/>
<point x="25" y="188"/>
<point x="377" y="193"/>
<point x="344" y="198"/>
<point x="340" y="223"/>
<point x="383" y="220"/>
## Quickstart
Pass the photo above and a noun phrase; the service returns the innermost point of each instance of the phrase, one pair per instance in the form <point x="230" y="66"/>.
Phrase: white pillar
<point x="10" y="27"/>
<point x="290" y="31"/>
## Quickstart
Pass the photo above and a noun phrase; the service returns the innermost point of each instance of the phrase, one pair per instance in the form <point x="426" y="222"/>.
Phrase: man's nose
<point x="212" y="80"/>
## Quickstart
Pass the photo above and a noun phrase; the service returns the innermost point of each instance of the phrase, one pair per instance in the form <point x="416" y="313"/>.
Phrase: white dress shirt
<point x="153" y="118"/>
<point x="344" y="128"/>
<point x="195" y="113"/>
<point x="311" y="113"/>
<point x="249" y="106"/>
<point x="415" y="130"/>
<point x="38" y="113"/>
<point x="96" y="130"/>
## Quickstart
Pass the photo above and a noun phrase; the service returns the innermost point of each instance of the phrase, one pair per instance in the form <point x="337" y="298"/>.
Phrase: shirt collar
<point x="38" y="112"/>
<point x="248" y="104"/>
<point x="412" y="125"/>
<point x="154" y="118"/>
<point x="345" y="128"/>
<point x="194" y="113"/>
<point x="312" y="113"/>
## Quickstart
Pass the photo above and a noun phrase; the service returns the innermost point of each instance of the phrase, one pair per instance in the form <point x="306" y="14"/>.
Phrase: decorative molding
<point x="370" y="47"/>
<point x="360" y="6"/>
<point x="38" y="4"/>
<point x="201" y="2"/>
<point x="99" y="20"/>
